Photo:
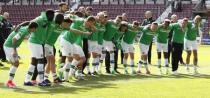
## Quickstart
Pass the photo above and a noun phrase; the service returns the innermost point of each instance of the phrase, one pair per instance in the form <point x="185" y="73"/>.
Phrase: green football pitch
<point x="184" y="85"/>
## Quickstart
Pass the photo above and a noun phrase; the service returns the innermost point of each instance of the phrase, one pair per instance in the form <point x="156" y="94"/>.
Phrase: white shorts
<point x="162" y="47"/>
<point x="78" y="50"/>
<point x="100" y="49"/>
<point x="108" y="45"/>
<point x="48" y="50"/>
<point x="127" y="48"/>
<point x="36" y="50"/>
<point x="66" y="48"/>
<point x="92" y="46"/>
<point x="144" y="49"/>
<point x="190" y="45"/>
<point x="8" y="52"/>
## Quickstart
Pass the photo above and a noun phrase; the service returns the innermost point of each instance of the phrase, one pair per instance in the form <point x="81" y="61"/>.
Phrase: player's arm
<point x="93" y="28"/>
<point x="22" y="24"/>
<point x="79" y="31"/>
<point x="200" y="32"/>
<point x="14" y="43"/>
<point x="140" y="29"/>
<point x="1" y="21"/>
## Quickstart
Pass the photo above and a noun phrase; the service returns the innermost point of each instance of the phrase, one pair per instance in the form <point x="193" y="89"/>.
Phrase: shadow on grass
<point x="4" y="68"/>
<point x="65" y="88"/>
<point x="97" y="82"/>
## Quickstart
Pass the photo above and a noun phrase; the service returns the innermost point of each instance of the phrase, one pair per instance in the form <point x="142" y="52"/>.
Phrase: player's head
<point x="6" y="15"/>
<point x="184" y="22"/>
<point x="79" y="14"/>
<point x="88" y="11"/>
<point x="105" y="15"/>
<point x="148" y="14"/>
<point x="32" y="26"/>
<point x="135" y="24"/>
<point x="50" y="14"/>
<point x="90" y="22"/>
<point x="197" y="19"/>
<point x="59" y="19"/>
<point x="118" y="19"/>
<point x="123" y="27"/>
<point x="81" y="9"/>
<point x="174" y="18"/>
<point x="66" y="22"/>
<point x="154" y="26"/>
<point x="63" y="7"/>
<point x="101" y="17"/>
<point x="124" y="17"/>
<point x="166" y="22"/>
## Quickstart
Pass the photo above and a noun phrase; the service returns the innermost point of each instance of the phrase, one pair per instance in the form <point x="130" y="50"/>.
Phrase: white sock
<point x="195" y="67"/>
<point x="112" y="61"/>
<point x="132" y="65"/>
<point x="166" y="61"/>
<point x="94" y="64"/>
<point x="62" y="65"/>
<point x="46" y="76"/>
<point x="103" y="55"/>
<point x="30" y="72"/>
<point x="146" y="65"/>
<point x="40" y="69"/>
<point x="73" y="65"/>
<point x="67" y="69"/>
<point x="159" y="62"/>
<point x="97" y="64"/>
<point x="102" y="58"/>
<point x="88" y="65"/>
<point x="125" y="63"/>
<point x="54" y="76"/>
<point x="12" y="72"/>
<point x="140" y="64"/>
<point x="100" y="63"/>
<point x="187" y="65"/>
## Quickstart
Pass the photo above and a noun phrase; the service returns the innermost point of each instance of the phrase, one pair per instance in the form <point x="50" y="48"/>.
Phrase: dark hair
<point x="185" y="19"/>
<point x="155" y="23"/>
<point x="33" y="25"/>
<point x="89" y="8"/>
<point x="62" y="3"/>
<point x="25" y="23"/>
<point x="123" y="25"/>
<point x="59" y="18"/>
<point x="79" y="14"/>
<point x="68" y="20"/>
<point x="119" y="16"/>
<point x="136" y="23"/>
<point x="50" y="14"/>
<point x="91" y="18"/>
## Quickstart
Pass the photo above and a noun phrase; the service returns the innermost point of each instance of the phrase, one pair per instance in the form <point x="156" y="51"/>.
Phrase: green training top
<point x="147" y="35"/>
<point x="178" y="33"/>
<point x="162" y="34"/>
<point x="21" y="33"/>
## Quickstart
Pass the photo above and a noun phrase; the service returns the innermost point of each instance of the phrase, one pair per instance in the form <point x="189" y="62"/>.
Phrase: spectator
<point x="5" y="30"/>
<point x="177" y="5"/>
<point x="174" y="19"/>
<point x="124" y="17"/>
<point x="148" y="20"/>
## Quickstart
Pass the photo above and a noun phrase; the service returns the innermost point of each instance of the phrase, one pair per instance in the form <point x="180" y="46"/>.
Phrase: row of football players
<point x="101" y="33"/>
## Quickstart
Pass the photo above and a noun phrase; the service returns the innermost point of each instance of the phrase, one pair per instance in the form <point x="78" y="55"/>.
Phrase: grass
<point x="119" y="86"/>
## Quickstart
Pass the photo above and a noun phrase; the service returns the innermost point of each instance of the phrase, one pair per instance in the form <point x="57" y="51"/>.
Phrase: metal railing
<point x="90" y="2"/>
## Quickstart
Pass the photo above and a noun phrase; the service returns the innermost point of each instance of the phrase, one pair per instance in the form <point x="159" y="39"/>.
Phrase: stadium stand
<point x="19" y="13"/>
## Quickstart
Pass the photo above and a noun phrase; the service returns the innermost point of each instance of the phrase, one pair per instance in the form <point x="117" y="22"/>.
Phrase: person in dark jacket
<point x="148" y="20"/>
<point x="5" y="30"/>
<point x="174" y="19"/>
